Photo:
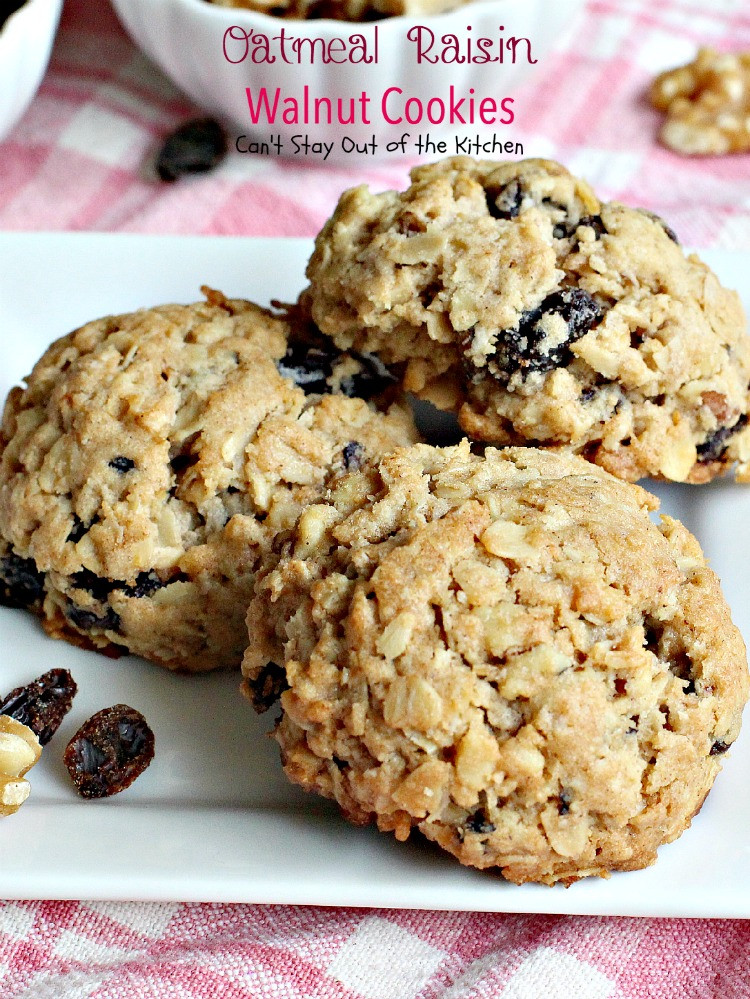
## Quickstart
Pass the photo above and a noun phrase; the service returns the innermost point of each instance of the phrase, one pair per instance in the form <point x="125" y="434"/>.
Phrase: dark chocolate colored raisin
<point x="712" y="449"/>
<point x="21" y="583"/>
<point x="523" y="349"/>
<point x="719" y="747"/>
<point x="563" y="801"/>
<point x="267" y="687"/>
<point x="182" y="461"/>
<point x="109" y="751"/>
<point x="122" y="465"/>
<point x="658" y="219"/>
<point x="479" y="823"/>
<point x="504" y="202"/>
<point x="594" y="222"/>
<point x="78" y="529"/>
<point x="372" y="378"/>
<point x="308" y="367"/>
<point x="145" y="584"/>
<point x="87" y="620"/>
<point x="195" y="147"/>
<point x="311" y="367"/>
<point x="352" y="455"/>
<point x="98" y="586"/>
<point x="43" y="703"/>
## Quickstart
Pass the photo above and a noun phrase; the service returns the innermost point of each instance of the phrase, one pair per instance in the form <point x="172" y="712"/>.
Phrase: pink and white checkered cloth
<point x="75" y="162"/>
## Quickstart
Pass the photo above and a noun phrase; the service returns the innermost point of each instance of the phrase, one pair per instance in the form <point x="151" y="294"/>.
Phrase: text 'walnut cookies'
<point x="707" y="104"/>
<point x="504" y="652"/>
<point x="509" y="292"/>
<point x="151" y="460"/>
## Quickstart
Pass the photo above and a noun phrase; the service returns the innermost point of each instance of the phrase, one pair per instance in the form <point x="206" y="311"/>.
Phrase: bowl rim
<point x="23" y="12"/>
<point x="242" y="16"/>
<point x="23" y="9"/>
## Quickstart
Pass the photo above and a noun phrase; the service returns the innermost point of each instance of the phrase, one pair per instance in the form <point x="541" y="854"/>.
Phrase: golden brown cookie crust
<point x="509" y="292"/>
<point x="504" y="652"/>
<point x="151" y="461"/>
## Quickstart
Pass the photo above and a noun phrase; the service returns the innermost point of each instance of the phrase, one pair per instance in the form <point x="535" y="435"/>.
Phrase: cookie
<point x="509" y="292"/>
<point x="152" y="460"/>
<point x="707" y="103"/>
<point x="503" y="652"/>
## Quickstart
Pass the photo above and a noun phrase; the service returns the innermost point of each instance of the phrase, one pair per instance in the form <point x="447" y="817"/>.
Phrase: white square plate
<point x="213" y="818"/>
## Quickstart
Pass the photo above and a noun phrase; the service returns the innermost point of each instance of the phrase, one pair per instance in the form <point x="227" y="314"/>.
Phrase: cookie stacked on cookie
<point x="498" y="648"/>
<point x="543" y="316"/>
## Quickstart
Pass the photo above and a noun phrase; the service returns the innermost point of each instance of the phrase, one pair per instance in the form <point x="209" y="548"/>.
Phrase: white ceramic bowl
<point x="187" y="38"/>
<point x="25" y="45"/>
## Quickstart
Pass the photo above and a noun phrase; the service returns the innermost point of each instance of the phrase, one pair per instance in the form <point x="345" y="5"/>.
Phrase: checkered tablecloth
<point x="76" y="161"/>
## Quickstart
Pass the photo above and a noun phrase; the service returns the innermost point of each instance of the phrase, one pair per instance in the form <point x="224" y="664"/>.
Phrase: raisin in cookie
<point x="511" y="293"/>
<point x="151" y="461"/>
<point x="504" y="652"/>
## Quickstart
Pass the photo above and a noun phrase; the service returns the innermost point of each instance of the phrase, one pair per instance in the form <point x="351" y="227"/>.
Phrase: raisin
<point x="122" y="465"/>
<point x="563" y="802"/>
<point x="311" y="367"/>
<point x="79" y="528"/>
<point x="594" y="222"/>
<point x="719" y="747"/>
<point x="660" y="221"/>
<point x="195" y="147"/>
<point x="504" y="202"/>
<point x="308" y="367"/>
<point x="353" y="455"/>
<point x="267" y="687"/>
<point x="712" y="449"/>
<point x="43" y="703"/>
<point x="21" y="583"/>
<point x="109" y="751"/>
<point x="372" y="378"/>
<point x="87" y="620"/>
<point x="145" y="584"/>
<point x="184" y="458"/>
<point x="523" y="349"/>
<point x="77" y="531"/>
<point x="181" y="462"/>
<point x="479" y="823"/>
<point x="98" y="586"/>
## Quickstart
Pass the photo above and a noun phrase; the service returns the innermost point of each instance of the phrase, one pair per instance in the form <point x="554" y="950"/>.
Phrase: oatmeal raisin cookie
<point x="503" y="652"/>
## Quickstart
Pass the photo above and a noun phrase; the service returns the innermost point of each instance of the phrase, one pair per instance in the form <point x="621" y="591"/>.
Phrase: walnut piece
<point x="707" y="104"/>
<point x="19" y="751"/>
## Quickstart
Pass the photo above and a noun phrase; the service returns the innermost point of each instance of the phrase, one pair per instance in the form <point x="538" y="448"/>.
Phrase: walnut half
<point x="19" y="751"/>
<point x="707" y="104"/>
